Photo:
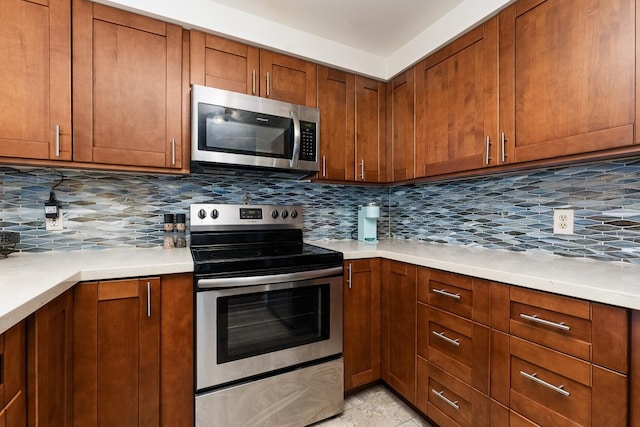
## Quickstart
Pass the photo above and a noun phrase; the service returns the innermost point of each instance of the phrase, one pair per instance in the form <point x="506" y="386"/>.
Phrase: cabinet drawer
<point x="461" y="295"/>
<point x="548" y="387"/>
<point x="460" y="347"/>
<point x="449" y="401"/>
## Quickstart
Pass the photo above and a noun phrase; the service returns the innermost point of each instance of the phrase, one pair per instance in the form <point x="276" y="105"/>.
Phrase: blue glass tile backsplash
<point x="513" y="211"/>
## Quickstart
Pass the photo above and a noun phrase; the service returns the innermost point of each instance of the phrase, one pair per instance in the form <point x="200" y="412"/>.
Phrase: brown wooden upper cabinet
<point x="457" y="101"/>
<point x="401" y="120"/>
<point x="336" y="101"/>
<point x="127" y="88"/>
<point x="352" y="120"/>
<point x="35" y="79"/>
<point x="226" y="64"/>
<point x="567" y="77"/>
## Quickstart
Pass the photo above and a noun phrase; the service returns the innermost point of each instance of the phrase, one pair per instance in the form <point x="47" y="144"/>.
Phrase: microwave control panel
<point x="308" y="142"/>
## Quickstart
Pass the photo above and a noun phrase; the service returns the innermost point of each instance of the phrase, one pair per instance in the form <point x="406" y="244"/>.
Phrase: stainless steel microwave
<point x="230" y="128"/>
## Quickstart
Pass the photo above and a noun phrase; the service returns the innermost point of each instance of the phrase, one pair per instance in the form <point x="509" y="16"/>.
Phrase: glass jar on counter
<point x="181" y="228"/>
<point x="168" y="226"/>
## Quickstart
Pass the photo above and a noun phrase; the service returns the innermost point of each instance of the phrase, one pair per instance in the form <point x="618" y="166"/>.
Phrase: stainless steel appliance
<point x="236" y="129"/>
<point x="268" y="318"/>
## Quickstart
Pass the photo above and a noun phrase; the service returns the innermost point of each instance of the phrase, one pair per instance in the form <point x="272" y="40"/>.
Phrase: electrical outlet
<point x="563" y="221"/>
<point x="54" y="224"/>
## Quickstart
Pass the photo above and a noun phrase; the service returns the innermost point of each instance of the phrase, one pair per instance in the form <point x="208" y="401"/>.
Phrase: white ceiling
<point x="377" y="38"/>
<point x="377" y="27"/>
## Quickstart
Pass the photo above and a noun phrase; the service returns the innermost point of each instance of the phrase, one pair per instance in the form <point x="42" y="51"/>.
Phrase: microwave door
<point x="236" y="131"/>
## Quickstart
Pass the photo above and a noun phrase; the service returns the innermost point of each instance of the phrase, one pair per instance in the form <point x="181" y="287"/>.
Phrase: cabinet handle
<point x="441" y="395"/>
<point x="503" y="148"/>
<point x="441" y="335"/>
<point x="362" y="169"/>
<point x="349" y="275"/>
<point x="57" y="140"/>
<point x="487" y="159"/>
<point x="253" y="82"/>
<point x="324" y="166"/>
<point x="536" y="319"/>
<point x="148" y="299"/>
<point x="268" y="85"/>
<point x="534" y="377"/>
<point x="446" y="294"/>
<point x="173" y="152"/>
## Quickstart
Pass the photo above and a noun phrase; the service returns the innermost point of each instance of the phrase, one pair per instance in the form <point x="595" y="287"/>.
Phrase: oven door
<point x="247" y="331"/>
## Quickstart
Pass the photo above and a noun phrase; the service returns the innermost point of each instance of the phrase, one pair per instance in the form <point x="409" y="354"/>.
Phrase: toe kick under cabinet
<point x="493" y="354"/>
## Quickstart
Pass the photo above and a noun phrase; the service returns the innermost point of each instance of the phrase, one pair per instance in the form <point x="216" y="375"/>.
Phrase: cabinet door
<point x="456" y="114"/>
<point x="370" y="126"/>
<point x="116" y="353"/>
<point x="336" y="100"/>
<point x="127" y="88"/>
<point x="399" y="327"/>
<point x="402" y="123"/>
<point x="35" y="79"/>
<point x="50" y="348"/>
<point x="288" y="79"/>
<point x="13" y="377"/>
<point x="224" y="64"/>
<point x="567" y="77"/>
<point x="361" y="323"/>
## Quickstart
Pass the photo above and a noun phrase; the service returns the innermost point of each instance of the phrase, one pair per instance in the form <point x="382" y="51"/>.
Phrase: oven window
<point x="259" y="323"/>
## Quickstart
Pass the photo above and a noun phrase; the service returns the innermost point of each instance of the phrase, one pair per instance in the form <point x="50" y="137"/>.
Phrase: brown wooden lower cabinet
<point x="13" y="376"/>
<point x="50" y="369"/>
<point x="361" y="322"/>
<point x="133" y="358"/>
<point x="399" y="327"/>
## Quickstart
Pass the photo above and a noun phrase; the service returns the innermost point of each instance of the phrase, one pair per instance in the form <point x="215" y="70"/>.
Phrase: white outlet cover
<point x="563" y="221"/>
<point x="54" y="224"/>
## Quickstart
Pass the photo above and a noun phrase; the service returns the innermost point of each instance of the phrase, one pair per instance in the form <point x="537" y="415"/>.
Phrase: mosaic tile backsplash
<point x="514" y="212"/>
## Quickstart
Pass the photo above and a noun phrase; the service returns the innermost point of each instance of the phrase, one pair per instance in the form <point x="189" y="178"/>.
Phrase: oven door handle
<point x="231" y="282"/>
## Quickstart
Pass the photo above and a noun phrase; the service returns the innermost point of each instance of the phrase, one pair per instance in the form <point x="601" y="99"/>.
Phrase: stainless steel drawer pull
<point x="441" y="395"/>
<point x="446" y="294"/>
<point x="349" y="276"/>
<point x="57" y="140"/>
<point x="534" y="377"/>
<point x="148" y="299"/>
<point x="536" y="319"/>
<point x="487" y="159"/>
<point x="441" y="335"/>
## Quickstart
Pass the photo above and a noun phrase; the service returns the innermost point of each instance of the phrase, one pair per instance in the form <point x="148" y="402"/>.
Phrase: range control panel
<point x="212" y="217"/>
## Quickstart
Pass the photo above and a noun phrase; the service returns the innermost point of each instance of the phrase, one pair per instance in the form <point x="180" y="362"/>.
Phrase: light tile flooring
<point x="375" y="406"/>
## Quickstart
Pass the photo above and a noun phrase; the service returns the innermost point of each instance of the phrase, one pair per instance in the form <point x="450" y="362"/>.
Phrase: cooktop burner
<point x="232" y="240"/>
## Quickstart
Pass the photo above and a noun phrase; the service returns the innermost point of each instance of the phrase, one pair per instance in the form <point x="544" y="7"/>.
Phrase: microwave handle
<point x="296" y="139"/>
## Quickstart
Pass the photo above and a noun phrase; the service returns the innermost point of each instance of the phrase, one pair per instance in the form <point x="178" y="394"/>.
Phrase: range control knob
<point x="284" y="214"/>
<point x="202" y="214"/>
<point x="215" y="214"/>
<point x="294" y="214"/>
<point x="274" y="214"/>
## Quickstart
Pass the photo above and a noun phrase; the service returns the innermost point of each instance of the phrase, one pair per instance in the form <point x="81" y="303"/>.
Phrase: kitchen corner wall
<point x="515" y="211"/>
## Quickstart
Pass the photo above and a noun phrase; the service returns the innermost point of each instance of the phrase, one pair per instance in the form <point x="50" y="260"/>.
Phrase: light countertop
<point x="606" y="282"/>
<point x="29" y="281"/>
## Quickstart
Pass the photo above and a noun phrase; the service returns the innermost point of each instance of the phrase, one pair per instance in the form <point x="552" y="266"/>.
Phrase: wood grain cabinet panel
<point x="370" y="154"/>
<point x="361" y="322"/>
<point x="13" y="376"/>
<point x="567" y="77"/>
<point x="127" y="88"/>
<point x="399" y="327"/>
<point x="35" y="79"/>
<point x="457" y="101"/>
<point x="336" y="101"/>
<point x="401" y="120"/>
<point x="133" y="350"/>
<point x="288" y="79"/>
<point x="50" y="358"/>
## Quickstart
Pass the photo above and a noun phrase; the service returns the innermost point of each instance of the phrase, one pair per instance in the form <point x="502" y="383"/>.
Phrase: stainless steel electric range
<point x="268" y="318"/>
